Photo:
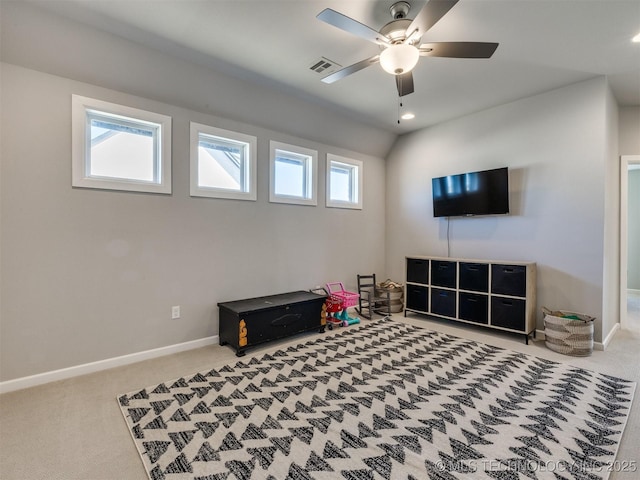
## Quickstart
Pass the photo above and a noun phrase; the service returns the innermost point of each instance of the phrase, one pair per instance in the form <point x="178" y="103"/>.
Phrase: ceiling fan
<point x="399" y="41"/>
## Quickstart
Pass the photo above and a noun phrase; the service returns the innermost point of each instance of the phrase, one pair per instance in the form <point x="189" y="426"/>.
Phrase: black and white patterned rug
<point x="383" y="401"/>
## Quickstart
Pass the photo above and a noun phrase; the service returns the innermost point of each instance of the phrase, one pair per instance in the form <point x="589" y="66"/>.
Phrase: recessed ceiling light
<point x="408" y="116"/>
<point x="636" y="39"/>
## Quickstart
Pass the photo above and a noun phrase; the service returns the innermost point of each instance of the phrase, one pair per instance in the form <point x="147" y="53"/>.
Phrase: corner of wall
<point x="611" y="261"/>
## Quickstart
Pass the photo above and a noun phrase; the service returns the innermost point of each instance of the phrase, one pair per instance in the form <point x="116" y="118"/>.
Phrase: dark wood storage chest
<point x="250" y="322"/>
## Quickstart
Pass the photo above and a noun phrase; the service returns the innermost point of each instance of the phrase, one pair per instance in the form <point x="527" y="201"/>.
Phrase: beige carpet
<point x="73" y="429"/>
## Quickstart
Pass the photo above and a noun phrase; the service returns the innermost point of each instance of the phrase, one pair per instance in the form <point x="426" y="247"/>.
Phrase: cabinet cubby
<point x="474" y="276"/>
<point x="443" y="302"/>
<point x="418" y="270"/>
<point x="493" y="294"/>
<point x="473" y="307"/>
<point x="417" y="298"/>
<point x="444" y="273"/>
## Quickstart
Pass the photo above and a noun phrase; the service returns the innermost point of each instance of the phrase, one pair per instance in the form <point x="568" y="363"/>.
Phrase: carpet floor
<point x="386" y="400"/>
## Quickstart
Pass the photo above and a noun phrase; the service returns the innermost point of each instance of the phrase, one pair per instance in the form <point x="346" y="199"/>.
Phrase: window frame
<point x="310" y="174"/>
<point x="356" y="182"/>
<point x="82" y="109"/>
<point x="249" y="168"/>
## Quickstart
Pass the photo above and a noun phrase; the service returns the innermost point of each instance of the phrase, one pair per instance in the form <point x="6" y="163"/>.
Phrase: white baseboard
<point x="55" y="375"/>
<point x="605" y="343"/>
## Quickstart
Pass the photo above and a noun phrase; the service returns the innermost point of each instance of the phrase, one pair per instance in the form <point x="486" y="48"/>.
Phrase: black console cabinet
<point x="245" y="323"/>
<point x="498" y="295"/>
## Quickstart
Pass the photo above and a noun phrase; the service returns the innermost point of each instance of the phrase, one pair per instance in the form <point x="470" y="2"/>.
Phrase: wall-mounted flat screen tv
<point x="474" y="193"/>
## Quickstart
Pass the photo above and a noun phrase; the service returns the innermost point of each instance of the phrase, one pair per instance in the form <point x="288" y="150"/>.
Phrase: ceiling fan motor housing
<point x="399" y="10"/>
<point x="396" y="30"/>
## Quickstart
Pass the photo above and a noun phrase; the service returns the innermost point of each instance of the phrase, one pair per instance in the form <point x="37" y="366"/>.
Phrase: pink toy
<point x="346" y="299"/>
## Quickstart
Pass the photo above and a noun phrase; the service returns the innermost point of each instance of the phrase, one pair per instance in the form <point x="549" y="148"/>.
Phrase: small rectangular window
<point x="223" y="163"/>
<point x="343" y="186"/>
<point x="344" y="182"/>
<point x="116" y="147"/>
<point x="121" y="148"/>
<point x="293" y="174"/>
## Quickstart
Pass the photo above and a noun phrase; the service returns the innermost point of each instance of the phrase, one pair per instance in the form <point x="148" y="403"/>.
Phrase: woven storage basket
<point x="396" y="292"/>
<point x="568" y="335"/>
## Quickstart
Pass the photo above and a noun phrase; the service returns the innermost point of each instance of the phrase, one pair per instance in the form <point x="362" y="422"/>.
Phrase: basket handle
<point x="335" y="290"/>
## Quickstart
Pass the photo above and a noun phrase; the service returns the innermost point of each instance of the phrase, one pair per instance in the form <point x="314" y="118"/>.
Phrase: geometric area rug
<point x="384" y="400"/>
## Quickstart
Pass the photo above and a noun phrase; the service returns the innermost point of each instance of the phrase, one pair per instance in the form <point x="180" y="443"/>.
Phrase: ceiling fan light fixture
<point x="399" y="58"/>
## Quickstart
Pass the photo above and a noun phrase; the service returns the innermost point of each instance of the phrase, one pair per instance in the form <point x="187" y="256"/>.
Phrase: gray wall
<point x="629" y="136"/>
<point x="558" y="148"/>
<point x="611" y="228"/>
<point x="633" y="243"/>
<point x="629" y="133"/>
<point x="89" y="275"/>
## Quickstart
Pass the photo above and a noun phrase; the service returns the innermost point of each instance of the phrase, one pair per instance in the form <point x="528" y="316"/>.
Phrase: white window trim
<point x="79" y="148"/>
<point x="273" y="197"/>
<point x="357" y="205"/>
<point x="251" y="163"/>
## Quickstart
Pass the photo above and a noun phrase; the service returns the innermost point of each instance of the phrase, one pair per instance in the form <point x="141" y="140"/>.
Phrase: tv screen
<point x="474" y="193"/>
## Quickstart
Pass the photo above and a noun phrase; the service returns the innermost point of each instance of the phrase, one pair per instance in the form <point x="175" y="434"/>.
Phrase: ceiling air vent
<point x="324" y="66"/>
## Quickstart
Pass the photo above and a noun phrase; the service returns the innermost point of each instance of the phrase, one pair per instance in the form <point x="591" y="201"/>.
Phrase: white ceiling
<point x="544" y="44"/>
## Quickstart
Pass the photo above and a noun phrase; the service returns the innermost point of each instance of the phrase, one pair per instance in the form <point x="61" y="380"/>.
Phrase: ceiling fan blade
<point x="405" y="84"/>
<point x="433" y="11"/>
<point x="356" y="67"/>
<point x="458" y="49"/>
<point x="352" y="26"/>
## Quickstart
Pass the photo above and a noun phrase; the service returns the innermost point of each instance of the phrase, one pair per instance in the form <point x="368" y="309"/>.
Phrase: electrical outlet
<point x="175" y="312"/>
